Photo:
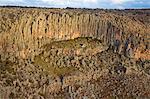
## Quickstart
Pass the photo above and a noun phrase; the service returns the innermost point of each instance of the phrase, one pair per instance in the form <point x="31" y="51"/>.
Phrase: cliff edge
<point x="24" y="30"/>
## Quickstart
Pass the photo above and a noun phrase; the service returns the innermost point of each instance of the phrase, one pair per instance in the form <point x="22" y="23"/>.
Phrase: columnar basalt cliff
<point x="25" y="29"/>
<point x="74" y="53"/>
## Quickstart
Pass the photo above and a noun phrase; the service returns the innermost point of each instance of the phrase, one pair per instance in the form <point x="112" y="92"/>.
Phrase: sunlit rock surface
<point x="74" y="53"/>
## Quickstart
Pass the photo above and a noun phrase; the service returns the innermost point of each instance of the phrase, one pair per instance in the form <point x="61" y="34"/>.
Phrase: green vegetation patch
<point x="53" y="70"/>
<point x="61" y="57"/>
<point x="77" y="43"/>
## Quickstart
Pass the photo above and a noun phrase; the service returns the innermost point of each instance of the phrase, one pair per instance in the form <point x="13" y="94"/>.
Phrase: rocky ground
<point x="61" y="72"/>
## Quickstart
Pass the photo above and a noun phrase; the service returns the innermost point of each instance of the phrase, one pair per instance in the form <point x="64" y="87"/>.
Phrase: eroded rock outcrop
<point x="24" y="30"/>
<point x="74" y="53"/>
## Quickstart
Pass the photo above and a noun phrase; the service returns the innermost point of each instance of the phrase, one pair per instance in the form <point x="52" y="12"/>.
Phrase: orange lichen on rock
<point x="142" y="55"/>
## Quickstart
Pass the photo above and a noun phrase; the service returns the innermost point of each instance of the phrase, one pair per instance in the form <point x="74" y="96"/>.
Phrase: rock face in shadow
<point x="24" y="30"/>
